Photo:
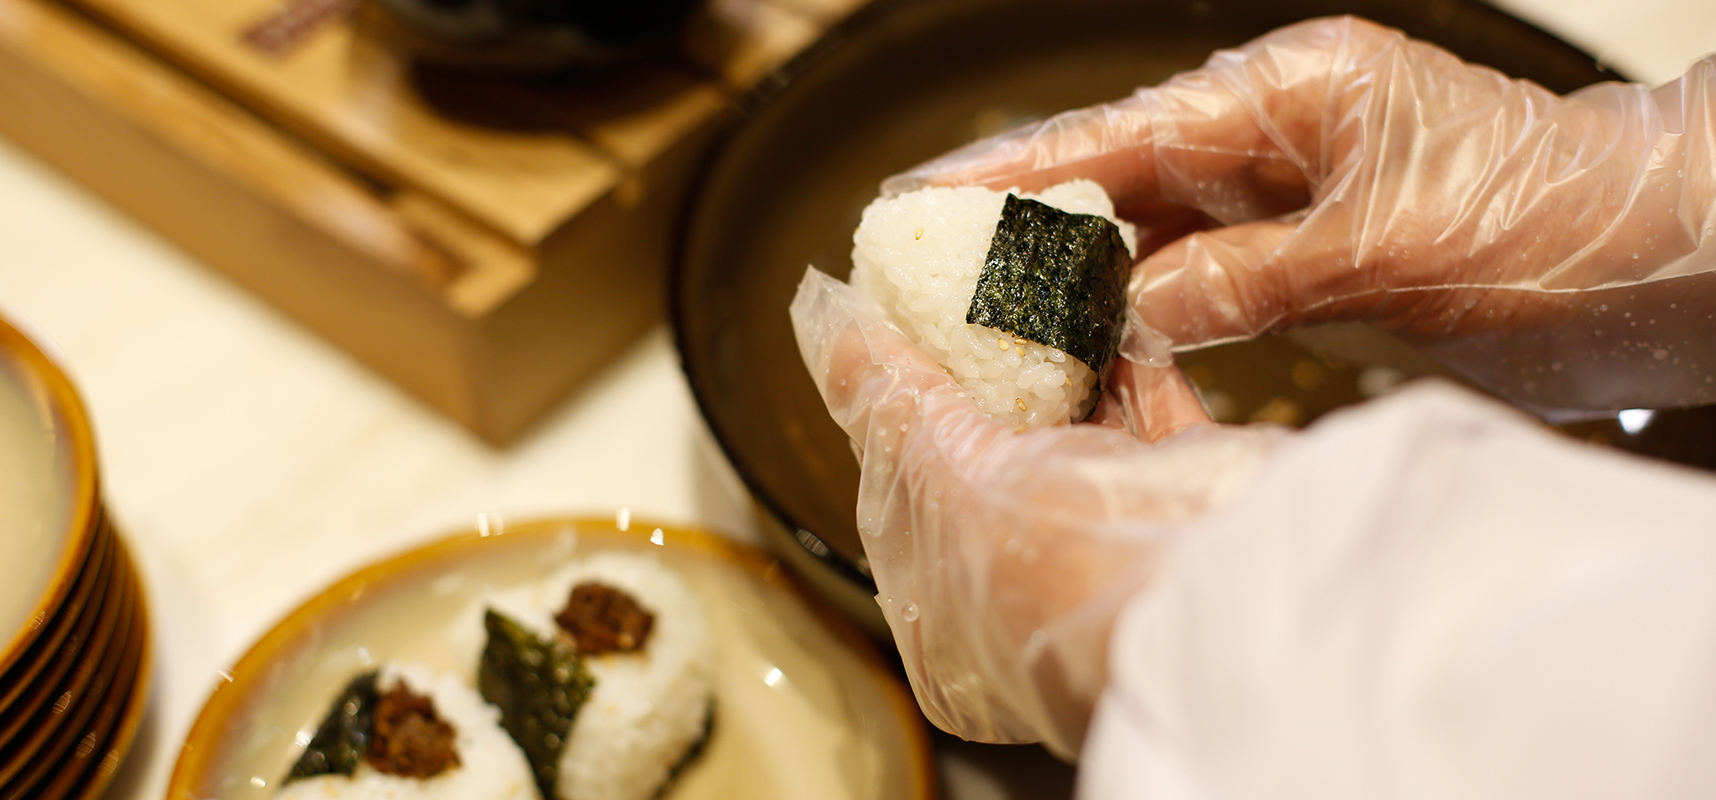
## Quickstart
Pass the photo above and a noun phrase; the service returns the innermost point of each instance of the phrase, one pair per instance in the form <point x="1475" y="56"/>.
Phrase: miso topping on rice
<point x="603" y="619"/>
<point x="410" y="739"/>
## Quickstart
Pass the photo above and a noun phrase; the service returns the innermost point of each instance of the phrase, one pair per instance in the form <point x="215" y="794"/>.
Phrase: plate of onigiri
<point x="560" y="660"/>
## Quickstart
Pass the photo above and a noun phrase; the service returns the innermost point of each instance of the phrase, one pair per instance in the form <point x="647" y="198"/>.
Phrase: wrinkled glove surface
<point x="1557" y="249"/>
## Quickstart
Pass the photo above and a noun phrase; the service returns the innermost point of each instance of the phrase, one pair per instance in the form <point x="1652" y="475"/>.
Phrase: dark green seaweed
<point x="1057" y="279"/>
<point x="691" y="753"/>
<point x="538" y="683"/>
<point x="343" y="737"/>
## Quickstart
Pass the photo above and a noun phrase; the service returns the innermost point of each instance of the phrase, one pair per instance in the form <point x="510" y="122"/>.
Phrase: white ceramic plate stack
<point x="74" y="632"/>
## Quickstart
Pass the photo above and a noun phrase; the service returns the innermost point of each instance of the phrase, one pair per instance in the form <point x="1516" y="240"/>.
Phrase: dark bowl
<point x="525" y="36"/>
<point x="902" y="82"/>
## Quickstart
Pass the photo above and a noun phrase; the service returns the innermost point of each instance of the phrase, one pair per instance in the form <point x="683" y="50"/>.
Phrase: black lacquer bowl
<point x="902" y="82"/>
<point x="526" y="36"/>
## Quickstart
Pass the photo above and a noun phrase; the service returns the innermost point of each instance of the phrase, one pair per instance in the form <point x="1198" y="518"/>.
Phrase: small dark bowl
<point x="526" y="36"/>
<point x="902" y="82"/>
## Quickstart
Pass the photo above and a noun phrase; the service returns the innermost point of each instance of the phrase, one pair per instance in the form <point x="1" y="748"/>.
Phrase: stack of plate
<point x="74" y="634"/>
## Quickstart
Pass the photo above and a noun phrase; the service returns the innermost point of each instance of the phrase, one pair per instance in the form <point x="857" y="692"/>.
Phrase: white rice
<point x="491" y="767"/>
<point x="919" y="254"/>
<point x="649" y="707"/>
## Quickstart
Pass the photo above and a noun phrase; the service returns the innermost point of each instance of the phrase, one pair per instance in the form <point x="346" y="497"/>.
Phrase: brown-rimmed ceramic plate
<point x="73" y="725"/>
<point x="90" y="767"/>
<point x="49" y="699"/>
<point x="74" y="632"/>
<point x="102" y="672"/>
<point x="50" y="494"/>
<point x="44" y="659"/>
<point x="804" y="708"/>
<point x="901" y="82"/>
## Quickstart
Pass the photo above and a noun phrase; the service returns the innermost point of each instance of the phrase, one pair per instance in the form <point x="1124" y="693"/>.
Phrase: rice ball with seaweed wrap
<point x="1021" y="297"/>
<point x="409" y="733"/>
<point x="634" y="645"/>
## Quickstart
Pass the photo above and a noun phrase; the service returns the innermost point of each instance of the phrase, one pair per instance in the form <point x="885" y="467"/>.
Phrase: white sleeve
<point x="1428" y="597"/>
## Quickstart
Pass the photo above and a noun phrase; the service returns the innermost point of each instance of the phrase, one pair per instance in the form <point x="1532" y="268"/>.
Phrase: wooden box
<point x="483" y="242"/>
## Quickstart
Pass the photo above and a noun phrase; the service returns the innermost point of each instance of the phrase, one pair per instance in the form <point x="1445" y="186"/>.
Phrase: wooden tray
<point x="485" y="243"/>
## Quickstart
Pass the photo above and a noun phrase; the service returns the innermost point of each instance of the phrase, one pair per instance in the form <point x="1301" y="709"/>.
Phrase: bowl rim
<point x="202" y="743"/>
<point x="38" y="367"/>
<point x="751" y="104"/>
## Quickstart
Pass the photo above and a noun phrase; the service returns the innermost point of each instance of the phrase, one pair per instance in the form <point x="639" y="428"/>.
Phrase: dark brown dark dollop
<point x="602" y="619"/>
<point x="410" y="739"/>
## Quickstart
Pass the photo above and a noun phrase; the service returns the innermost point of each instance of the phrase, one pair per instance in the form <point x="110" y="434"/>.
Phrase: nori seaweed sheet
<point x="343" y="737"/>
<point x="538" y="683"/>
<point x="1057" y="279"/>
<point x="691" y="753"/>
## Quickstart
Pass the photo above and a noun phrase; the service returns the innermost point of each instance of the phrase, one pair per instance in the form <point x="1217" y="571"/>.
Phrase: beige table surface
<point x="239" y="451"/>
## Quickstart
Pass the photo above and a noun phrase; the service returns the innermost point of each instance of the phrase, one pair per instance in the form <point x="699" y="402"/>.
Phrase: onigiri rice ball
<point x="649" y="708"/>
<point x="920" y="255"/>
<point x="490" y="765"/>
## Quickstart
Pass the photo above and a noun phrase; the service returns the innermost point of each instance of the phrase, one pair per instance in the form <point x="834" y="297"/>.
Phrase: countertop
<point x="239" y="451"/>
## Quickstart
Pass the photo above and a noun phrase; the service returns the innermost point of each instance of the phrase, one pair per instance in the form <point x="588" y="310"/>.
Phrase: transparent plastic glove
<point x="1001" y="557"/>
<point x="1559" y="250"/>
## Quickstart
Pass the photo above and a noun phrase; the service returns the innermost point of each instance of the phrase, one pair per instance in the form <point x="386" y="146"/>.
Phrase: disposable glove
<point x="1001" y="557"/>
<point x="1558" y="250"/>
<point x="1363" y="176"/>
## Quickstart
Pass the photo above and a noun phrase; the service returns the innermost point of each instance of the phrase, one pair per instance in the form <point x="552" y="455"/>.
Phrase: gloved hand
<point x="1558" y="250"/>
<point x="1437" y="199"/>
<point x="1001" y="557"/>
